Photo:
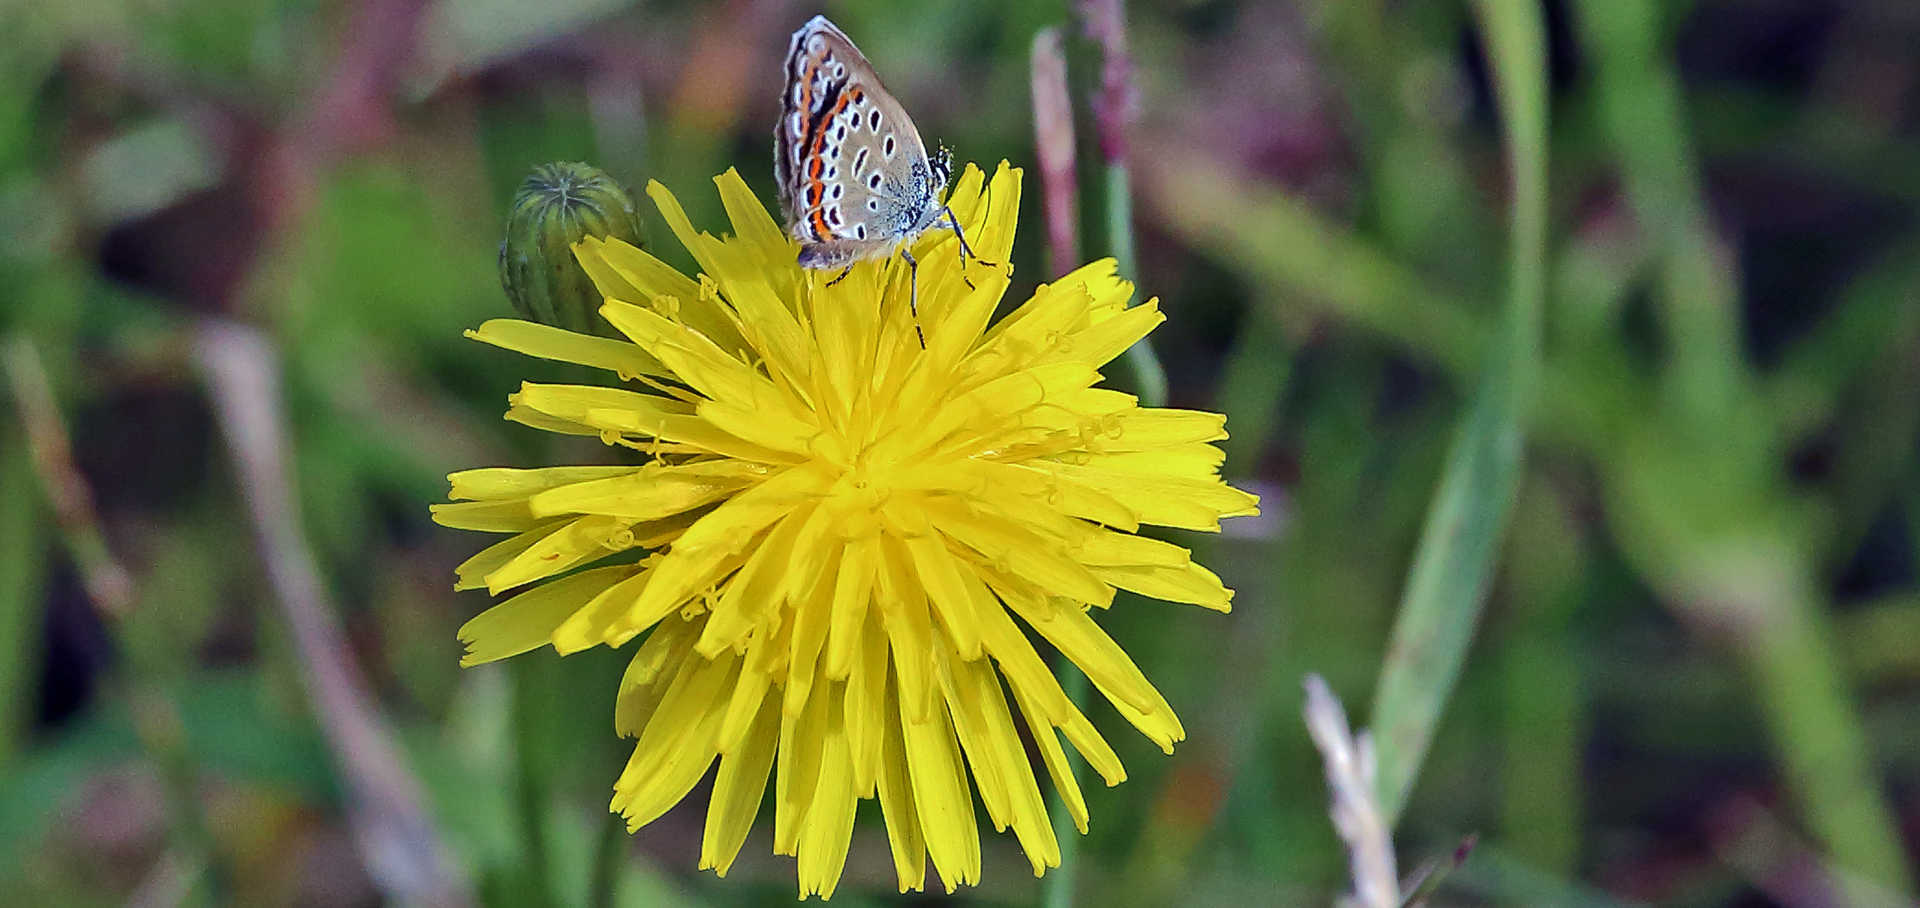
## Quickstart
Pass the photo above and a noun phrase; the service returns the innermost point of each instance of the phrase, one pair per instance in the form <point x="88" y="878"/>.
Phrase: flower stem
<point x="1057" y="889"/>
<point x="532" y="704"/>
<point x="610" y="857"/>
<point x="1149" y="377"/>
<point x="1115" y="108"/>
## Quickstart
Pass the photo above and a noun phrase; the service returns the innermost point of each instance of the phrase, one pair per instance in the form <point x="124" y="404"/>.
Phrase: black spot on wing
<point x="817" y="123"/>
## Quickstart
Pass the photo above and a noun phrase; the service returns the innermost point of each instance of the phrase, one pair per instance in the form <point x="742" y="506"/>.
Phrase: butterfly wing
<point x="853" y="172"/>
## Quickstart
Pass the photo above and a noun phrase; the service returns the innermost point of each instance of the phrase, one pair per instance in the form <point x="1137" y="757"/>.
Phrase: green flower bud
<point x="557" y="206"/>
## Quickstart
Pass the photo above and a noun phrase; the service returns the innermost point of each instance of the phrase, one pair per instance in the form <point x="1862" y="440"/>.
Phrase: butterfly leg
<point x="913" y="294"/>
<point x="841" y="276"/>
<point x="966" y="250"/>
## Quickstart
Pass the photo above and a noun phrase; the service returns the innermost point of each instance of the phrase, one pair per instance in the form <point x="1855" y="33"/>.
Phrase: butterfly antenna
<point x="913" y="295"/>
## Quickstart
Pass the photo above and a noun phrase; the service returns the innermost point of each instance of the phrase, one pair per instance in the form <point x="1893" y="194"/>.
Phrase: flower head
<point x="838" y="543"/>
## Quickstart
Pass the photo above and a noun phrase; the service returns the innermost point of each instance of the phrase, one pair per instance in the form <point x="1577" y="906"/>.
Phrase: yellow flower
<point x="847" y="538"/>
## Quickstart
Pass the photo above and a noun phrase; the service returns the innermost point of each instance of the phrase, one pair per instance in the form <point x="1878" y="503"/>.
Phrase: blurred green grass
<point x="1704" y="600"/>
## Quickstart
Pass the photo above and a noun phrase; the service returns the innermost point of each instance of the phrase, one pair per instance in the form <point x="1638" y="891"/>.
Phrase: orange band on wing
<point x="815" y="190"/>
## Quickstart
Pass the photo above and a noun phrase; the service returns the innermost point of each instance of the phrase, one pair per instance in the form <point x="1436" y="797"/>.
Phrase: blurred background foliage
<point x="1695" y="680"/>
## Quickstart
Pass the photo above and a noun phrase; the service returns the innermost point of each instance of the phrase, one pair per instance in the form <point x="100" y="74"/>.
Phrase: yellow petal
<point x="499" y="483"/>
<point x="695" y="358"/>
<point x="575" y="543"/>
<point x="1074" y="633"/>
<point x="864" y="711"/>
<point x="964" y="707"/>
<point x="654" y="664"/>
<point x="756" y="592"/>
<point x="1103" y="547"/>
<point x="905" y="835"/>
<point x="1000" y="743"/>
<point x="941" y="575"/>
<point x="852" y="598"/>
<point x="828" y="829"/>
<point x="548" y="342"/>
<point x="903" y="614"/>
<point x="1055" y="758"/>
<point x="749" y="695"/>
<point x="1191" y="461"/>
<point x="527" y="621"/>
<point x="677" y="746"/>
<point x="797" y="769"/>
<point x="1170" y="501"/>
<point x="738" y="790"/>
<point x="622" y="271"/>
<point x="574" y="402"/>
<point x="1159" y="723"/>
<point x="646" y="493"/>
<point x="473" y="571"/>
<point x="1191" y="584"/>
<point x="1148" y="428"/>
<point x="1025" y="671"/>
<point x="594" y="623"/>
<point x="751" y="223"/>
<point x="1098" y="344"/>
<point x="615" y="266"/>
<point x="944" y="798"/>
<point x="486" y="516"/>
<point x="1019" y="551"/>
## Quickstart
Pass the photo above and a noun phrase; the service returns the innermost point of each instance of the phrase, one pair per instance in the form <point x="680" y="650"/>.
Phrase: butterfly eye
<point x="942" y="166"/>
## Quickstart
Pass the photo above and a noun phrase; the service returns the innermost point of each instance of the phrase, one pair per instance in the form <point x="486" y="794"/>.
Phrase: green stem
<point x="22" y="571"/>
<point x="1825" y="749"/>
<point x="1149" y="377"/>
<point x="610" y="857"/>
<point x="1056" y="890"/>
<point x="1714" y="424"/>
<point x="533" y="733"/>
<point x="1258" y="374"/>
<point x="1640" y="104"/>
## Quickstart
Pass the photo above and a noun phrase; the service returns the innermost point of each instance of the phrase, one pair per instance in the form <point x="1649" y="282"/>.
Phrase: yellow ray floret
<point x="841" y="545"/>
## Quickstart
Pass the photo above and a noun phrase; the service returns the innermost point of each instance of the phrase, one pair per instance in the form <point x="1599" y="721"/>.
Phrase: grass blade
<point x="1453" y="565"/>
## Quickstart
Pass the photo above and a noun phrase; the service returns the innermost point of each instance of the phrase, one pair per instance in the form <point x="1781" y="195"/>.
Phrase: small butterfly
<point x="855" y="179"/>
